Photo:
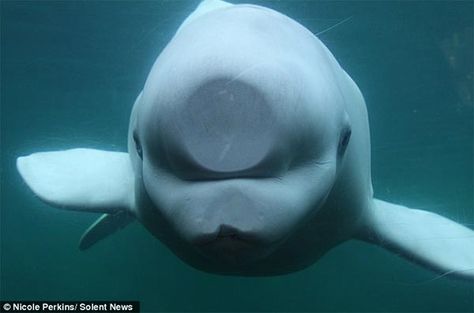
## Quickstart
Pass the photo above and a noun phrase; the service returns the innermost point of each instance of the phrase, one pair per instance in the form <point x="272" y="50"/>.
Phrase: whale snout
<point x="230" y="212"/>
<point x="226" y="221"/>
<point x="232" y="245"/>
<point x="232" y="223"/>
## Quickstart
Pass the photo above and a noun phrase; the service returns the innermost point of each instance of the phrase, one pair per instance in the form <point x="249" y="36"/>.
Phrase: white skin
<point x="277" y="217"/>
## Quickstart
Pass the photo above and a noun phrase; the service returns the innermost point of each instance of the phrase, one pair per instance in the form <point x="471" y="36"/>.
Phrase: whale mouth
<point x="230" y="246"/>
<point x="226" y="233"/>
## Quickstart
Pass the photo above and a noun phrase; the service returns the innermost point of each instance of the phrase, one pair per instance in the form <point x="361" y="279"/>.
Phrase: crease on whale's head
<point x="236" y="151"/>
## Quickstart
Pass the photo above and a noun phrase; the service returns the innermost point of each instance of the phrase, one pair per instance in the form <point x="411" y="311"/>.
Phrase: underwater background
<point x="70" y="71"/>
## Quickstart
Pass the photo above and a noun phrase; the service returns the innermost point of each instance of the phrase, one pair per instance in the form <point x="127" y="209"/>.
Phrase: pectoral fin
<point x="103" y="227"/>
<point x="81" y="179"/>
<point x="423" y="237"/>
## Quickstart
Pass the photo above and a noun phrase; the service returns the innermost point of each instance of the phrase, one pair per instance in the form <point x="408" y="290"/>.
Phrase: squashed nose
<point x="227" y="126"/>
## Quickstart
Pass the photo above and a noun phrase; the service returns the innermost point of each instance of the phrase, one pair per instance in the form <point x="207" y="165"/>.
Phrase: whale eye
<point x="344" y="141"/>
<point x="138" y="145"/>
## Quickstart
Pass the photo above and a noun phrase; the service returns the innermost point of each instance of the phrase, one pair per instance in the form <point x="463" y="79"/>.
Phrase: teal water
<point x="70" y="71"/>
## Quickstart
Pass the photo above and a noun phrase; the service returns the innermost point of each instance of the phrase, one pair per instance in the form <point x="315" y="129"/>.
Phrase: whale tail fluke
<point x="426" y="238"/>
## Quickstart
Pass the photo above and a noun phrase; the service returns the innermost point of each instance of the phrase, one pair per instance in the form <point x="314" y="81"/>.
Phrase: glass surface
<point x="70" y="71"/>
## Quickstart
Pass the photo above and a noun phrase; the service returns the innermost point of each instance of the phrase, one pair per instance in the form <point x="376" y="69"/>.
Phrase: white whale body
<point x="248" y="154"/>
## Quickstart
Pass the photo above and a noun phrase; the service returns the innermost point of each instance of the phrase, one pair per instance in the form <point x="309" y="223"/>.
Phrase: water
<point x="71" y="70"/>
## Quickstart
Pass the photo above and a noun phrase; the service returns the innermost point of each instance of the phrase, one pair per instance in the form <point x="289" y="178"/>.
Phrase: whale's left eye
<point x="138" y="145"/>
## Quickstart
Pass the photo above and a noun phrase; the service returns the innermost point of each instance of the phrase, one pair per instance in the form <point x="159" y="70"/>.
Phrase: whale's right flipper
<point x="103" y="227"/>
<point x="426" y="238"/>
<point x="86" y="180"/>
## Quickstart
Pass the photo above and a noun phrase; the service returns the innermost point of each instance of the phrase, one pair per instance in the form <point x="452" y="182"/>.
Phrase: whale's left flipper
<point x="423" y="237"/>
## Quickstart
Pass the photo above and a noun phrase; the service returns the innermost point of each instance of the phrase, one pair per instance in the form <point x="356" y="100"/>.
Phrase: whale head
<point x="236" y="151"/>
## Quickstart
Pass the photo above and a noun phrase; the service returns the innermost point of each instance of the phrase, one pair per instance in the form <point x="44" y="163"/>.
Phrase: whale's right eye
<point x="138" y="145"/>
<point x="344" y="141"/>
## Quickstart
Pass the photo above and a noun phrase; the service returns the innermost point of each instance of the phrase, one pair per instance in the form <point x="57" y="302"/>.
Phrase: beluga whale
<point x="248" y="154"/>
